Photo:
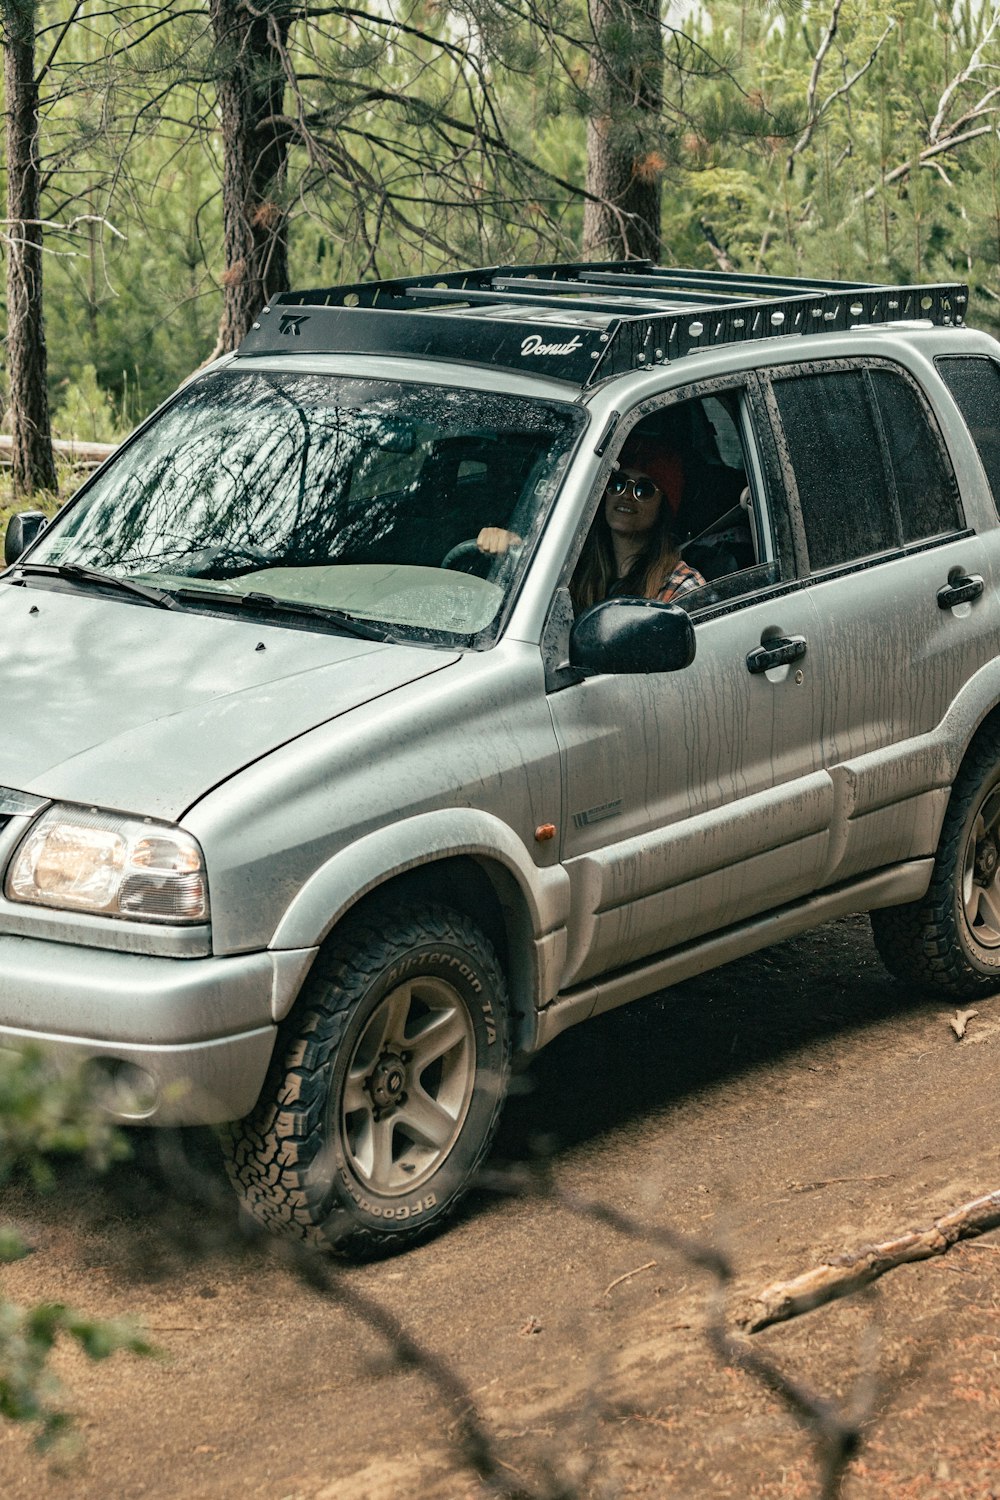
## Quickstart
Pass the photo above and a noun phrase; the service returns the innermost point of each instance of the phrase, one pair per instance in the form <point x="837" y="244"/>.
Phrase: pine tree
<point x="624" y="161"/>
<point x="251" y="82"/>
<point x="32" y="459"/>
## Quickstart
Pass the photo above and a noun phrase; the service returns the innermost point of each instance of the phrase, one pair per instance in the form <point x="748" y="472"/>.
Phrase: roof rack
<point x="582" y="322"/>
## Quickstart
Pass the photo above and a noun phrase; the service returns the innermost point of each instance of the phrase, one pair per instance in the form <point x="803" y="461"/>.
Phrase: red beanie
<point x="661" y="464"/>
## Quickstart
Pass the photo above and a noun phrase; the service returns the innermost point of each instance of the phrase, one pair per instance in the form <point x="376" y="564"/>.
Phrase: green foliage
<point x="45" y="1114"/>
<point x="848" y="180"/>
<point x="12" y="1247"/>
<point x="86" y="411"/>
<point x="125" y="176"/>
<point x="69" y="479"/>
<point x="391" y="167"/>
<point x="29" y="1392"/>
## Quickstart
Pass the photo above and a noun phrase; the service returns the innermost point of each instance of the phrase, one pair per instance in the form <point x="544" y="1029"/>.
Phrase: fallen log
<point x="85" y="455"/>
<point x="848" y="1273"/>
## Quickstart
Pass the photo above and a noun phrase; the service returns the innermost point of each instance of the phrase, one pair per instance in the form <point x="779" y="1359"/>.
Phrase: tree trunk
<point x="32" y="460"/>
<point x="251" y="87"/>
<point x="624" y="159"/>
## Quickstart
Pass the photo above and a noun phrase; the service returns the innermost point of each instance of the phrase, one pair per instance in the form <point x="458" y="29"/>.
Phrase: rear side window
<point x="926" y="492"/>
<point x="834" y="446"/>
<point x="975" y="384"/>
<point x="869" y="465"/>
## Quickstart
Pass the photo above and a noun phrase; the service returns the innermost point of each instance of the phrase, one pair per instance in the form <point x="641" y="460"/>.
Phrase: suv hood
<point x="144" y="710"/>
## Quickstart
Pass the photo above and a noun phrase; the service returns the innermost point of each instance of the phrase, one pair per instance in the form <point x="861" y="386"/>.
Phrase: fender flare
<point x="975" y="701"/>
<point x="415" y="843"/>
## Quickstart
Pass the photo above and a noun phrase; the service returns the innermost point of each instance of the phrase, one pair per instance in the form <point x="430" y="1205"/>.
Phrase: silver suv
<point x="378" y="805"/>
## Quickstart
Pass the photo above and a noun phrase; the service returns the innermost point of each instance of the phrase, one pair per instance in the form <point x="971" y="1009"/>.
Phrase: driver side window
<point x="681" y="519"/>
<point x="721" y="525"/>
<point x="720" y="537"/>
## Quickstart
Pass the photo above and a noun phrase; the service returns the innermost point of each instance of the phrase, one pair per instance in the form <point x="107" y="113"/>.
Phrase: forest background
<point x="170" y="165"/>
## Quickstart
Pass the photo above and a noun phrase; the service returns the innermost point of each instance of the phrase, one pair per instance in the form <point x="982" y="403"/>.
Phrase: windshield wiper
<point x="76" y="573"/>
<point x="270" y="604"/>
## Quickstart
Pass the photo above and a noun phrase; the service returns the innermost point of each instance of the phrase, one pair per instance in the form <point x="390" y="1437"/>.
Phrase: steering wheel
<point x="461" y="552"/>
<point x="205" y="560"/>
<point x="465" y="552"/>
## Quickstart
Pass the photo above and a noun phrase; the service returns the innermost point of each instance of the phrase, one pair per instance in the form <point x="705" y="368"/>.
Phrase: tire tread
<point x="921" y="942"/>
<point x="269" y="1154"/>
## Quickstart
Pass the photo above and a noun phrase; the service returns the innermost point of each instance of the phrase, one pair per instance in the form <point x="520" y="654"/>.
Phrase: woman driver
<point x="631" y="548"/>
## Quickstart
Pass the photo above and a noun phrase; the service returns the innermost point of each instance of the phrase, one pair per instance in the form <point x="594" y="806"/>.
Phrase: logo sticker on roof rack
<point x="533" y="345"/>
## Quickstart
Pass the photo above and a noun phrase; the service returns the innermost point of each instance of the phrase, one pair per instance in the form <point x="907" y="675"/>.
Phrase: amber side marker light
<point x="545" y="831"/>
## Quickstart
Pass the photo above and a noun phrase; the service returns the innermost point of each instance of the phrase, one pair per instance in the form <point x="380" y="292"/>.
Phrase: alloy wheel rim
<point x="408" y="1086"/>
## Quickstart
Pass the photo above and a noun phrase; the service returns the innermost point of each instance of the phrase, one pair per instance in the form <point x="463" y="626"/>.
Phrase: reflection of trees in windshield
<point x="247" y="470"/>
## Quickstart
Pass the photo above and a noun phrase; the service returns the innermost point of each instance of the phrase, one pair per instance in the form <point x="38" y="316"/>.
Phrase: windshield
<point x="359" y="496"/>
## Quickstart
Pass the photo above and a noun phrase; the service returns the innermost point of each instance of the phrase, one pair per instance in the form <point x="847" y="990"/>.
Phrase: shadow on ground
<point x="725" y="1024"/>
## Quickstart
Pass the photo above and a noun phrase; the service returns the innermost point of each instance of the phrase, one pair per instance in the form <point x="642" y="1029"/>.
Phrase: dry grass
<point x="70" y="479"/>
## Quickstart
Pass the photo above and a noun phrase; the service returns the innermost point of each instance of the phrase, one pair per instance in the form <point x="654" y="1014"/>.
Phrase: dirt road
<point x="793" y="1105"/>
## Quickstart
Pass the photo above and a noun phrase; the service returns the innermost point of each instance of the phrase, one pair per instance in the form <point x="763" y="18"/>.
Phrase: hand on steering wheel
<point x="497" y="541"/>
<point x="492" y="541"/>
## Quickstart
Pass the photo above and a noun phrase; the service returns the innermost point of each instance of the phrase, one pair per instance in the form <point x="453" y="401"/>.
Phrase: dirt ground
<point x="789" y="1107"/>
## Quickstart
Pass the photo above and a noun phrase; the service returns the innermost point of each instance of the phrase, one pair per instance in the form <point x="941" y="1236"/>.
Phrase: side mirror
<point x="21" y="532"/>
<point x="631" y="635"/>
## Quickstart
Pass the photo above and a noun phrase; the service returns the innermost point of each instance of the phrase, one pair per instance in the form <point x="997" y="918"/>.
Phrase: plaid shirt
<point x="680" y="580"/>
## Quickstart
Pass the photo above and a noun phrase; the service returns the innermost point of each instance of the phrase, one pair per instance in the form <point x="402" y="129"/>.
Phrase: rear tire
<point x="385" y="1089"/>
<point x="950" y="939"/>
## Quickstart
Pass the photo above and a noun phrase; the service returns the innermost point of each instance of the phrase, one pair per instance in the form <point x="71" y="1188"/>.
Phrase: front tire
<point x="950" y="939"/>
<point x="385" y="1089"/>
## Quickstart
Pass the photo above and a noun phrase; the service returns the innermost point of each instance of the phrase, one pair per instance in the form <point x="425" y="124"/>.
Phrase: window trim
<point x="798" y="585"/>
<point x="895" y="554"/>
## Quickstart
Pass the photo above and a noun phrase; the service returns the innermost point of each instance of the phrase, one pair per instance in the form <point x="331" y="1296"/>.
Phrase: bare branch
<point x="963" y="77"/>
<point x="821" y="51"/>
<point x="720" y="254"/>
<point x="816" y="114"/>
<point x="71" y="226"/>
<point x="923" y="159"/>
<point x="848" y="1273"/>
<point x="837" y="1432"/>
<point x="63" y="32"/>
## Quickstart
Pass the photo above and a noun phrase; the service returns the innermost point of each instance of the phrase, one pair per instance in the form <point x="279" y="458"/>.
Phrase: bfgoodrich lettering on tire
<point x="950" y="940"/>
<point x="386" y="1085"/>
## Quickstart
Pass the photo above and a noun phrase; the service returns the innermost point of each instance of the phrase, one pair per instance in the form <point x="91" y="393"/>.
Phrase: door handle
<point x="777" y="653"/>
<point x="960" y="590"/>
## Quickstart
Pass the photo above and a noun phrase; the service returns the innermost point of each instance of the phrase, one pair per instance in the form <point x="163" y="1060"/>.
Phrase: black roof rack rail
<point x="730" y="283"/>
<point x="382" y="293"/>
<point x="567" y="294"/>
<point x="622" y="290"/>
<point x="581" y="322"/>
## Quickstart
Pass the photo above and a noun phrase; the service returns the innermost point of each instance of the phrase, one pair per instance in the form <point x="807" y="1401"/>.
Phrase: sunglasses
<point x="642" y="489"/>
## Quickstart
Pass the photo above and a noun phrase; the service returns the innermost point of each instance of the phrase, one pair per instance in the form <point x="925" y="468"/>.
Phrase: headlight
<point x="83" y="860"/>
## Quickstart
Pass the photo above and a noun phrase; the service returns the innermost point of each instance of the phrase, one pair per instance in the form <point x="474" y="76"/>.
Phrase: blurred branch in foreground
<point x="45" y="1115"/>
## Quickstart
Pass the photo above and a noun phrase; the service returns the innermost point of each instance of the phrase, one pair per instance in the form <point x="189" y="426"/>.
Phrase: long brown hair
<point x="596" y="573"/>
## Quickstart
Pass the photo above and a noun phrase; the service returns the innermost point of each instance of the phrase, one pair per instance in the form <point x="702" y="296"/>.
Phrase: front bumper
<point x="170" y="1041"/>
